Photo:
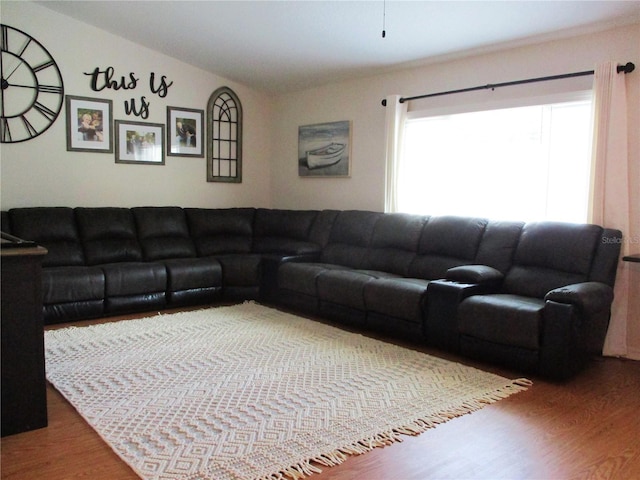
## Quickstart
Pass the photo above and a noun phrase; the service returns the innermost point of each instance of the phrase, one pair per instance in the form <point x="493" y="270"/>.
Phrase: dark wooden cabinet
<point x="24" y="401"/>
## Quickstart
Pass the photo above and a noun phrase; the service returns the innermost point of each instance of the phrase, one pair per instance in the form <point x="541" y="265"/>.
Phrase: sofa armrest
<point x="269" y="271"/>
<point x="440" y="324"/>
<point x="587" y="296"/>
<point x="478" y="274"/>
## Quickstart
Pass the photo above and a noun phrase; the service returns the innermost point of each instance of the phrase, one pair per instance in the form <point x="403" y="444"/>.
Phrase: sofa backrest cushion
<point x="321" y="229"/>
<point x="350" y="238"/>
<point x="294" y="224"/>
<point x="219" y="231"/>
<point x="446" y="242"/>
<point x="395" y="242"/>
<point x="163" y="233"/>
<point x="52" y="227"/>
<point x="283" y="231"/>
<point x="551" y="255"/>
<point x="108" y="235"/>
<point x="498" y="245"/>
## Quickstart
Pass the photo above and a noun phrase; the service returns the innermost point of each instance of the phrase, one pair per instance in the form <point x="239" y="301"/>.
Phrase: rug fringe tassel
<point x="331" y="459"/>
<point x="523" y="382"/>
<point x="295" y="472"/>
<point x="306" y="468"/>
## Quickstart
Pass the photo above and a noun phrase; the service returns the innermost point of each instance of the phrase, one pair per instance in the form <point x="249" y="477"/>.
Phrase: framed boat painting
<point x="324" y="149"/>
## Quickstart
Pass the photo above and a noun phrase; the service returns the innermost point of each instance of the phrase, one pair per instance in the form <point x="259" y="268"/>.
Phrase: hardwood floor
<point x="587" y="428"/>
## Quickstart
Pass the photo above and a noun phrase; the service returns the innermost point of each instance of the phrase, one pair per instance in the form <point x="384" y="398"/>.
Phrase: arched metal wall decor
<point x="224" y="137"/>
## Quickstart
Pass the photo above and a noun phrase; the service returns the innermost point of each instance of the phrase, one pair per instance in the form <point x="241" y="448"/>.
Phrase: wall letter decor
<point x="107" y="79"/>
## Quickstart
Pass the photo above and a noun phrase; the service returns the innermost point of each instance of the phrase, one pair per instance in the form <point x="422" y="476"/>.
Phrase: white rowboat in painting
<point x="325" y="156"/>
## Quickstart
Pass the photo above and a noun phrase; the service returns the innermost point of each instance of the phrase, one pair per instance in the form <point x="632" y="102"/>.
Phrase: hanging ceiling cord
<point x="384" y="17"/>
<point x="627" y="68"/>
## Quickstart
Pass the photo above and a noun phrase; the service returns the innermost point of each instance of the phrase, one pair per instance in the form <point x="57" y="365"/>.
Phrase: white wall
<point x="41" y="172"/>
<point x="359" y="101"/>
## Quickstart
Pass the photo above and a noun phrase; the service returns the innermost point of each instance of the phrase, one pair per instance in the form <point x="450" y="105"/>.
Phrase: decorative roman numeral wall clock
<point x="32" y="91"/>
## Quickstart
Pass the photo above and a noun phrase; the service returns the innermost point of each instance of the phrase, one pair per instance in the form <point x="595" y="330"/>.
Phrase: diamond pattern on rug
<point x="250" y="392"/>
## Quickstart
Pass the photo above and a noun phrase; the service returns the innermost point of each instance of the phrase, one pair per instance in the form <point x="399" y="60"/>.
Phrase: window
<point x="224" y="137"/>
<point x="525" y="163"/>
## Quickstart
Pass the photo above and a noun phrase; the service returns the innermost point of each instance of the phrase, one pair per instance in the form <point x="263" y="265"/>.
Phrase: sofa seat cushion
<point x="134" y="278"/>
<point x="193" y="273"/>
<point x="72" y="284"/>
<point x="302" y="277"/>
<point x="503" y="319"/>
<point x="397" y="297"/>
<point x="346" y="287"/>
<point x="70" y="311"/>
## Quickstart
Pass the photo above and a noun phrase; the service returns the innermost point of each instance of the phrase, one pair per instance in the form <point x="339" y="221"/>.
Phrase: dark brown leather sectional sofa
<point x="533" y="296"/>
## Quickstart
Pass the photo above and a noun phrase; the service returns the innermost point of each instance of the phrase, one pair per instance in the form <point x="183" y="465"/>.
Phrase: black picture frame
<point x="139" y="142"/>
<point x="185" y="132"/>
<point x="89" y="124"/>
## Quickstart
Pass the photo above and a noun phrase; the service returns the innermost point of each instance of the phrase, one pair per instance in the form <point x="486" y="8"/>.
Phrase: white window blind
<point x="524" y="163"/>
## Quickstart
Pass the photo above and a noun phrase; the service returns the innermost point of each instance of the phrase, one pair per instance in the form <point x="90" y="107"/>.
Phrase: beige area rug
<point x="247" y="391"/>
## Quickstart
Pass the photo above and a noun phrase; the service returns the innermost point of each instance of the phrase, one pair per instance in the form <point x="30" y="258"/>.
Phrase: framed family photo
<point x="139" y="142"/>
<point x="89" y="123"/>
<point x="185" y="132"/>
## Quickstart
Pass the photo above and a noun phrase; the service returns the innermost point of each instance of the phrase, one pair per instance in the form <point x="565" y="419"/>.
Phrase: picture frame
<point x="324" y="149"/>
<point x="89" y="124"/>
<point x="185" y="132"/>
<point x="139" y="142"/>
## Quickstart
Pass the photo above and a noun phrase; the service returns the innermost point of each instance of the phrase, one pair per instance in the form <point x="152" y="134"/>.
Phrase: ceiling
<point x="285" y="46"/>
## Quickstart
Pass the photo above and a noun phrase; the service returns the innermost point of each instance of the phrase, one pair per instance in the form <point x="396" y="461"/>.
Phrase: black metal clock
<point x="32" y="91"/>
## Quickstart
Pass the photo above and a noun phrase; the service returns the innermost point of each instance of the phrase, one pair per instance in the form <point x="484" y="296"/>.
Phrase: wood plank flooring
<point x="587" y="428"/>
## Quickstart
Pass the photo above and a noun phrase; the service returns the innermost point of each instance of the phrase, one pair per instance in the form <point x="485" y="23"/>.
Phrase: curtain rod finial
<point x="628" y="68"/>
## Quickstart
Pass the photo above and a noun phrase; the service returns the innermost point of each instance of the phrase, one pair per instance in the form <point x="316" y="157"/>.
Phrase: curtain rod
<point x="628" y="68"/>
